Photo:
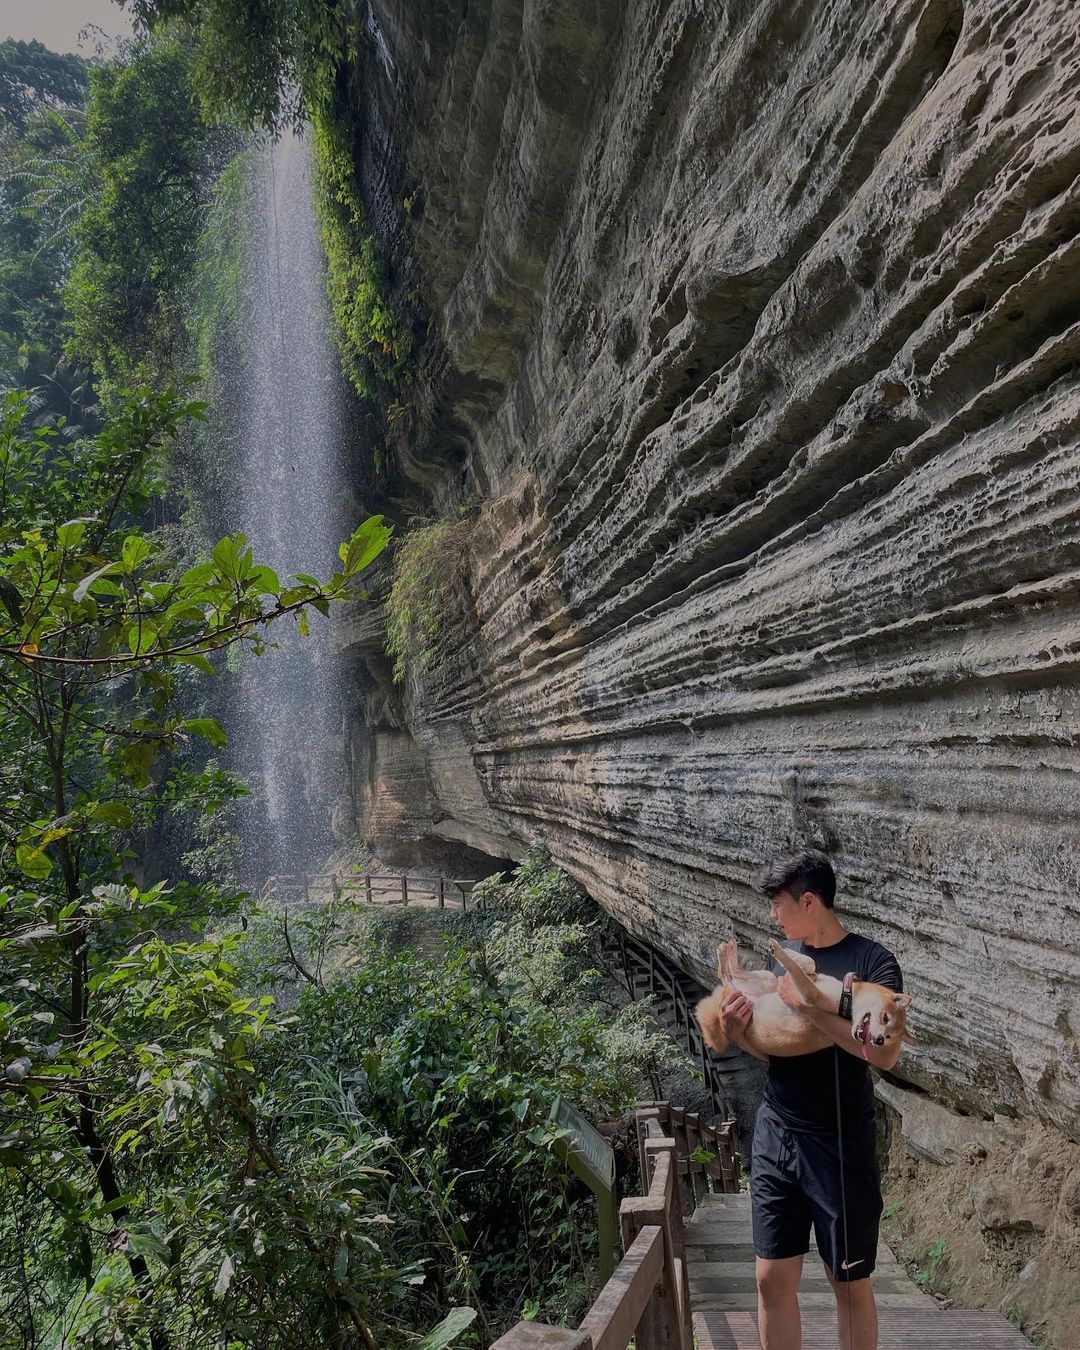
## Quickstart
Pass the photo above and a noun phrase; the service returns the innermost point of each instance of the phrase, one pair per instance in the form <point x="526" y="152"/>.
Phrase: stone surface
<point x="754" y="329"/>
<point x="933" y="1132"/>
<point x="993" y="1231"/>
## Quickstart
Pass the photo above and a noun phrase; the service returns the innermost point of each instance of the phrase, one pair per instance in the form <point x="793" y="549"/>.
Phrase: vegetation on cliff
<point x="373" y="343"/>
<point x="428" y="590"/>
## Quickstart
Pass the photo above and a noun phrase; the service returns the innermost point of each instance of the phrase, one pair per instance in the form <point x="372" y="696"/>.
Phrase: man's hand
<point x="791" y="995"/>
<point x="736" y="1011"/>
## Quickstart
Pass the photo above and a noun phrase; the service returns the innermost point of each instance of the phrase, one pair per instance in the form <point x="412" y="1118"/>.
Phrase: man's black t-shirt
<point x="801" y="1089"/>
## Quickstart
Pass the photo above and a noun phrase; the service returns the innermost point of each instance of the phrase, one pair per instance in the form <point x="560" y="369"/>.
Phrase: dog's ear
<point x="902" y="1000"/>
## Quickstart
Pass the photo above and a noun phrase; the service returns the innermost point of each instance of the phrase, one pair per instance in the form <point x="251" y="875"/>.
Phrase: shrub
<point x="428" y="592"/>
<point x="374" y="346"/>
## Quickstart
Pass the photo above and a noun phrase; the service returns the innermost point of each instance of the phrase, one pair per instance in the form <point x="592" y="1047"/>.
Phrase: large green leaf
<point x="86" y="585"/>
<point x="368" y="541"/>
<point x="135" y="551"/>
<point x="71" y="532"/>
<point x="33" y="861"/>
<point x="449" y="1329"/>
<point x="111" y="813"/>
<point x="209" y="728"/>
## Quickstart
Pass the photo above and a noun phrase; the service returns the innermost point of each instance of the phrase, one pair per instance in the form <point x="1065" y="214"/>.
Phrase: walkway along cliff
<point x="745" y="383"/>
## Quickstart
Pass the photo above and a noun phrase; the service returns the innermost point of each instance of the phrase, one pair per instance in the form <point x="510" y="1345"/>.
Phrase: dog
<point x="878" y="1015"/>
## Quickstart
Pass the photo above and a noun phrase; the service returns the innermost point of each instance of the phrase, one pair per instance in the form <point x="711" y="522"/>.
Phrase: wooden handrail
<point x="612" y="1320"/>
<point x="647" y="1299"/>
<point x="373" y="886"/>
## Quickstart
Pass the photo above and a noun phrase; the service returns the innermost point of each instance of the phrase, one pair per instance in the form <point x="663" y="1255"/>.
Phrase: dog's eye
<point x="885" y="1018"/>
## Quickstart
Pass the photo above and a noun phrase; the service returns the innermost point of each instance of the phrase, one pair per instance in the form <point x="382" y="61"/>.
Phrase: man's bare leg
<point x="779" y="1322"/>
<point x="856" y="1313"/>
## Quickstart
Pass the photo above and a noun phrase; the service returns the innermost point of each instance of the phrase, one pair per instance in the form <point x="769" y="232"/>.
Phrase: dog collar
<point x="845" y="998"/>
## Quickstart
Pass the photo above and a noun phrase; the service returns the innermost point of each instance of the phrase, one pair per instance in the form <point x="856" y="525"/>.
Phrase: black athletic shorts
<point x="796" y="1184"/>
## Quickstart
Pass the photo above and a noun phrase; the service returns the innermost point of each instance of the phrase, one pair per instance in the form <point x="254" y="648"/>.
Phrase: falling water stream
<point x="286" y="717"/>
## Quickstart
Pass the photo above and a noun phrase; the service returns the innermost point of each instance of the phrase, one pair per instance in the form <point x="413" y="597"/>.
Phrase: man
<point x="796" y="1177"/>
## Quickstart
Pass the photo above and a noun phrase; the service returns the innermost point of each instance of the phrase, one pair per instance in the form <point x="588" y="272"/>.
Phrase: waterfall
<point x="294" y="507"/>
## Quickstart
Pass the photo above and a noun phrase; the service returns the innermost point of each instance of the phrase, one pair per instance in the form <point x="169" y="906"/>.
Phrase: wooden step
<point x="814" y="1300"/>
<point x="703" y="1272"/>
<point x="899" y="1329"/>
<point x="743" y="1253"/>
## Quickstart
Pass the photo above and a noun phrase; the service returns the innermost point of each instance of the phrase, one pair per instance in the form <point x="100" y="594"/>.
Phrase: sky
<point x="57" y="23"/>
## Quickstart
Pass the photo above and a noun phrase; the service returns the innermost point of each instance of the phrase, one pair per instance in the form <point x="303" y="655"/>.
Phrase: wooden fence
<point x="320" y="887"/>
<point x="647" y="1299"/>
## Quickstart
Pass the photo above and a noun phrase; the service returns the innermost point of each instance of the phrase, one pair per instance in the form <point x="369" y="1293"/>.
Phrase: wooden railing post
<point x="675" y="1274"/>
<point x="665" y="1323"/>
<point x="645" y="1112"/>
<point x="367" y="888"/>
<point x="404" y="889"/>
<point x="442" y="893"/>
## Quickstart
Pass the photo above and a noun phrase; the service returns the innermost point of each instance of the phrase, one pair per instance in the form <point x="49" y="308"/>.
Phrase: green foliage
<point x="928" y="1261"/>
<point x="457" y="1061"/>
<point x="427" y="593"/>
<point x="537" y="893"/>
<point x="42" y="187"/>
<point x="151" y="151"/>
<point x="88" y="594"/>
<point x="373" y="344"/>
<point x="32" y="76"/>
<point x="265" y="63"/>
<point x="132" y="1114"/>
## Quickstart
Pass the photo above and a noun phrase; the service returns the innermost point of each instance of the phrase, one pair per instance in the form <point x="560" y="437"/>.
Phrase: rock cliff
<point x="754" y="330"/>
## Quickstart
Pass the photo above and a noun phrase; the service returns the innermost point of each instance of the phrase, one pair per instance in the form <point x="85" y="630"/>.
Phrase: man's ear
<point x="902" y="1000"/>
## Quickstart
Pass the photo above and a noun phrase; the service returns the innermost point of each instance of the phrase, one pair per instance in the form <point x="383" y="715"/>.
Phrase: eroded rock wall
<point x="755" y="329"/>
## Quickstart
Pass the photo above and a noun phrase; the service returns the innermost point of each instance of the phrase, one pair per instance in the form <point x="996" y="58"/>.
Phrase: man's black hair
<point x="807" y="869"/>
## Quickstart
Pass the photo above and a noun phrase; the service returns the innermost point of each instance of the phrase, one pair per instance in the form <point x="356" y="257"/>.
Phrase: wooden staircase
<point x="690" y="1284"/>
<point x="723" y="1294"/>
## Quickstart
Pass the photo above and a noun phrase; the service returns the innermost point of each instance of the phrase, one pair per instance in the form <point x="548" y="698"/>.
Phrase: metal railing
<point x="646" y="970"/>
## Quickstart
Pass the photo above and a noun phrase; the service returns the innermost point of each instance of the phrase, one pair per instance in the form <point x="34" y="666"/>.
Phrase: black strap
<point x="844" y="1009"/>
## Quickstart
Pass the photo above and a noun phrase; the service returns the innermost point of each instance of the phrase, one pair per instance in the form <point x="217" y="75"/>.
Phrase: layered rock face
<point x="756" y="333"/>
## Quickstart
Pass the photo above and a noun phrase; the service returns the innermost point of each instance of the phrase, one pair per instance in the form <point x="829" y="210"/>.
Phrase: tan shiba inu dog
<point x="878" y="1015"/>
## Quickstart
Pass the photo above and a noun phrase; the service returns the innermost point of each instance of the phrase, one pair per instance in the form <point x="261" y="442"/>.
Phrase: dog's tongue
<point x="864" y="1037"/>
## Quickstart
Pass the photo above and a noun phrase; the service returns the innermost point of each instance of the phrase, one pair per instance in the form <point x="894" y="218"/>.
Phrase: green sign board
<point x="590" y="1157"/>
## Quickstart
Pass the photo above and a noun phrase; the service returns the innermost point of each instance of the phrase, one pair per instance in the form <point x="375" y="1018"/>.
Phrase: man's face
<point x="789" y="915"/>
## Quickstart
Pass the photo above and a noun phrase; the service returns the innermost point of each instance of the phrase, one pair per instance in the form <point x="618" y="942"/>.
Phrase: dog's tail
<point x="707" y="1013"/>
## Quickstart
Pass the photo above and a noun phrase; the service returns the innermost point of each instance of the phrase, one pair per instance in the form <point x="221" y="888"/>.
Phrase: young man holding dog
<point x="814" y="1156"/>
